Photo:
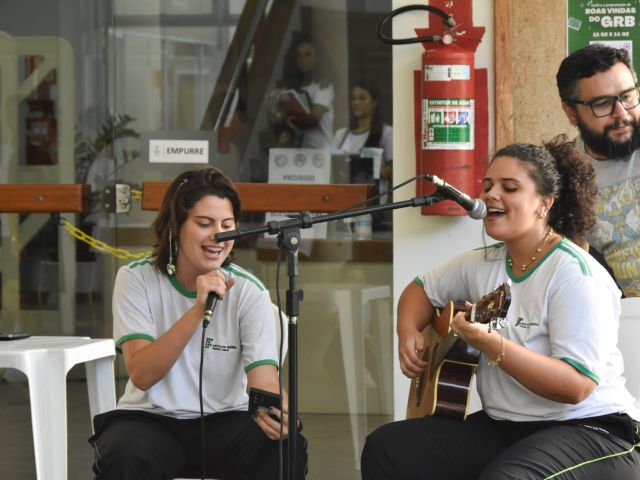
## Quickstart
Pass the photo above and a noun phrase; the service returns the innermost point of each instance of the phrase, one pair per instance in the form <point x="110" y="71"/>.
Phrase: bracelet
<point x="500" y="357"/>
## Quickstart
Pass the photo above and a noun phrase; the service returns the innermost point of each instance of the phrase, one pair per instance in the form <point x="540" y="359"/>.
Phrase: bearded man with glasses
<point x="597" y="86"/>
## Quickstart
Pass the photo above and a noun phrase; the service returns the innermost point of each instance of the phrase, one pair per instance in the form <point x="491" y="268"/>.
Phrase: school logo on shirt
<point x="522" y="324"/>
<point x="209" y="344"/>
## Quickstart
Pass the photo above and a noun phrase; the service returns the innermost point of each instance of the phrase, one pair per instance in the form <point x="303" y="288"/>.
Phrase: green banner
<point x="611" y="22"/>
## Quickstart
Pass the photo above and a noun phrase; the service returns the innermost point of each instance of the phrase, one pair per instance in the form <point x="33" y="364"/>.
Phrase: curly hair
<point x="183" y="193"/>
<point x="559" y="171"/>
<point x="585" y="63"/>
<point x="573" y="212"/>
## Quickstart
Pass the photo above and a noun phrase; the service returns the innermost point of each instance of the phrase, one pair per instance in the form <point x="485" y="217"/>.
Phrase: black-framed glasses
<point x="604" y="106"/>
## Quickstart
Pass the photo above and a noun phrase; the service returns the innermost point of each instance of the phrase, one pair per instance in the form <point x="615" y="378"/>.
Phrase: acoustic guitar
<point x="444" y="386"/>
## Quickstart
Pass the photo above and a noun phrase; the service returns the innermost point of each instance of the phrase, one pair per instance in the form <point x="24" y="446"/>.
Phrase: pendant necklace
<point x="535" y="255"/>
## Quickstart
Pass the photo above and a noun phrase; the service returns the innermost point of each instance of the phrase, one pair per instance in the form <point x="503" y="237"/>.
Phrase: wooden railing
<point x="44" y="198"/>
<point x="269" y="197"/>
<point x="255" y="197"/>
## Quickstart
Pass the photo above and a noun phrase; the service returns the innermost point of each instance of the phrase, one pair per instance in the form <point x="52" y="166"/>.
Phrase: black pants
<point x="435" y="448"/>
<point x="139" y="445"/>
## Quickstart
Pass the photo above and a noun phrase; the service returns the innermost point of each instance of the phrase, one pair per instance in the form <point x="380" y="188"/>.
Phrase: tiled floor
<point x="330" y="447"/>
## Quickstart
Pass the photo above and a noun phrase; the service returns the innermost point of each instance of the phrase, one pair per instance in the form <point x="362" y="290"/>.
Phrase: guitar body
<point x="445" y="385"/>
<point x="454" y="389"/>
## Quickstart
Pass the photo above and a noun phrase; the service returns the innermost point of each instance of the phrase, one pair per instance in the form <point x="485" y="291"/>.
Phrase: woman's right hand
<point x="414" y="314"/>
<point x="410" y="350"/>
<point x="213" y="282"/>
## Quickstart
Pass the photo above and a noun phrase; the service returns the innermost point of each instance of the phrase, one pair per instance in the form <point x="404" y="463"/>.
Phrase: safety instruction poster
<point x="612" y="22"/>
<point x="447" y="124"/>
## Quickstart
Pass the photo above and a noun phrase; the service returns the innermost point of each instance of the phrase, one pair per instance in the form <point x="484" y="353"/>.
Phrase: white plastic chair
<point x="354" y="303"/>
<point x="285" y="332"/>
<point x="46" y="361"/>
<point x="628" y="341"/>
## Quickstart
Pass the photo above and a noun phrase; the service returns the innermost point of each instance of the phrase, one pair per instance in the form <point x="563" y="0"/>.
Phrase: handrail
<point x="251" y="16"/>
<point x="44" y="198"/>
<point x="272" y="197"/>
<point x="256" y="197"/>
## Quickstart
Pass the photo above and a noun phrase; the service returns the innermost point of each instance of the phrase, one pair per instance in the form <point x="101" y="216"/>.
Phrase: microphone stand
<point x="289" y="239"/>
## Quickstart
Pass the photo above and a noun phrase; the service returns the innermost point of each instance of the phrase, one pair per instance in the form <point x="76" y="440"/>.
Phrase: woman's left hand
<point x="476" y="334"/>
<point x="271" y="426"/>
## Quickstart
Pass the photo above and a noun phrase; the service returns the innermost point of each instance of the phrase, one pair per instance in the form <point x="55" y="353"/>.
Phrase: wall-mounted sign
<point x="300" y="165"/>
<point x="178" y="151"/>
<point x="612" y="22"/>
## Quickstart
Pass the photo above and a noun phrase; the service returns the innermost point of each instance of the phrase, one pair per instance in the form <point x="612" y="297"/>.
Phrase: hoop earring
<point x="171" y="268"/>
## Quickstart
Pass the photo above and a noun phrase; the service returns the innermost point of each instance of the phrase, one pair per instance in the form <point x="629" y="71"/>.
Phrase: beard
<point x="601" y="144"/>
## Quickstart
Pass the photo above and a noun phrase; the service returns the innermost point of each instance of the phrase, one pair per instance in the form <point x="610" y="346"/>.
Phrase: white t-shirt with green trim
<point x="567" y="307"/>
<point x="240" y="336"/>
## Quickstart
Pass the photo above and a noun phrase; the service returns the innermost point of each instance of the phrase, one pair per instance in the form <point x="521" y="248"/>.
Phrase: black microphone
<point x="213" y="298"/>
<point x="477" y="208"/>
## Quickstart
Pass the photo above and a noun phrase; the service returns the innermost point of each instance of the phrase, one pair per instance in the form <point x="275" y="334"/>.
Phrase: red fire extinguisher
<point x="445" y="108"/>
<point x="447" y="121"/>
<point x="41" y="123"/>
<point x="41" y="132"/>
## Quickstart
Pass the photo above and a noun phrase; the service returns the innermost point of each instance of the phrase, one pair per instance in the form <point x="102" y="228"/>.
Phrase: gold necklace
<point x="535" y="256"/>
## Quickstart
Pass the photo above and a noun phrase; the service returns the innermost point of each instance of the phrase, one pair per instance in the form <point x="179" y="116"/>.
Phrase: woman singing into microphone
<point x="158" y="305"/>
<point x="550" y="376"/>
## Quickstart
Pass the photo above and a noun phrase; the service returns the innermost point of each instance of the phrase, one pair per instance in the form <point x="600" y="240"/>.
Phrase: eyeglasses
<point x="604" y="106"/>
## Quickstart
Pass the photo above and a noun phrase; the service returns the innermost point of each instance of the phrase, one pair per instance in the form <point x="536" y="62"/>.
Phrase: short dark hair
<point x="585" y="63"/>
<point x="183" y="193"/>
<point x="559" y="171"/>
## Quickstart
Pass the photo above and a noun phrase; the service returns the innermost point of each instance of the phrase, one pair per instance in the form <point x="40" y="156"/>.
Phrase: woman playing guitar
<point x="550" y="375"/>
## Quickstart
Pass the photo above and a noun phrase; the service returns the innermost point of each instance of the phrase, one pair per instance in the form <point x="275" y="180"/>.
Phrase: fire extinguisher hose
<point x="448" y="21"/>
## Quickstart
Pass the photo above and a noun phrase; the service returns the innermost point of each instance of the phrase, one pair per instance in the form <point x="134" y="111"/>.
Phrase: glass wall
<point x="278" y="91"/>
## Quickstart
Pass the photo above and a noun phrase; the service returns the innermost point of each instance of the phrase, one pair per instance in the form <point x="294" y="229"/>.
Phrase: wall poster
<point x="612" y="22"/>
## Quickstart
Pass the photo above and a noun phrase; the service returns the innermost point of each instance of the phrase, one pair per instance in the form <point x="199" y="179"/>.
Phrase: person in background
<point x="550" y="375"/>
<point x="366" y="129"/>
<point x="368" y="132"/>
<point x="306" y="73"/>
<point x="156" y="431"/>
<point x="597" y="86"/>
